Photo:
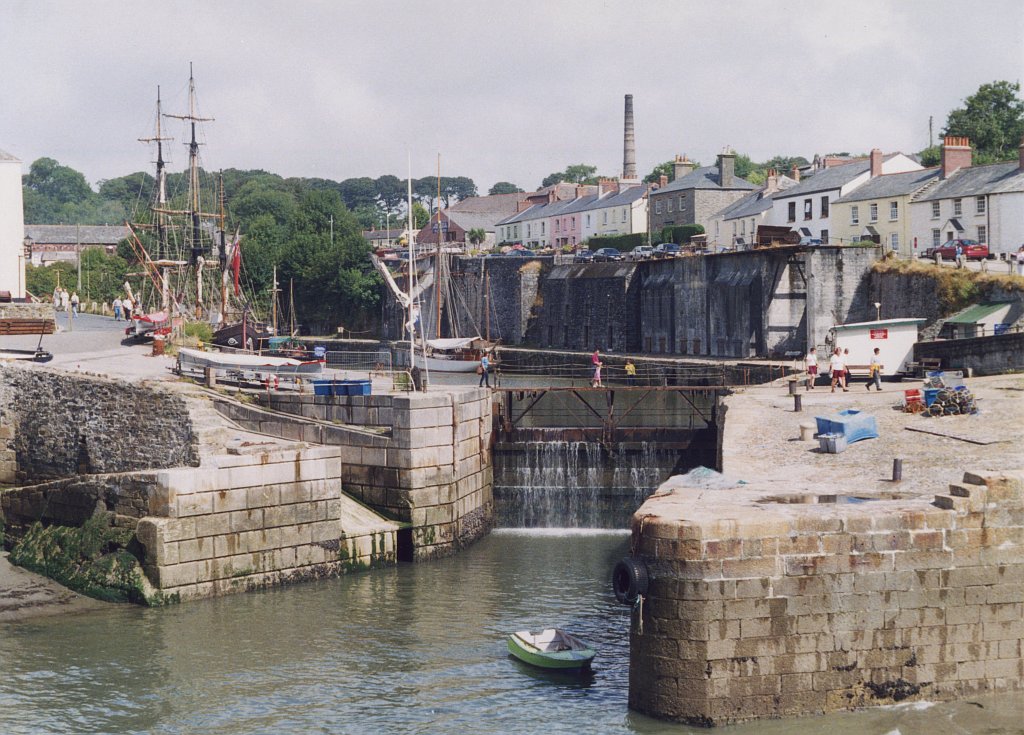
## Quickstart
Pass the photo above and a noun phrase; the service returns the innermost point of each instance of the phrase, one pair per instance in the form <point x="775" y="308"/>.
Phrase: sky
<point x="502" y="91"/>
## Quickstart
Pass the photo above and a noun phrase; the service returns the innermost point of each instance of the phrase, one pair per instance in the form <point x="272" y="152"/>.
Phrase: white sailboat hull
<point x="442" y="365"/>
<point x="195" y="360"/>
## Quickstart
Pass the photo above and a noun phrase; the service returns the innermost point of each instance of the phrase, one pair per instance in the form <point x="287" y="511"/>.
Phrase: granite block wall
<point x="421" y="458"/>
<point x="760" y="607"/>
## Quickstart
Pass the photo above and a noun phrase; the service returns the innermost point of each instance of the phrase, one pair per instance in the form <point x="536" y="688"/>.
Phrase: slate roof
<point x="69" y="234"/>
<point x="705" y="177"/>
<point x="996" y="178"/>
<point x="827" y="179"/>
<point x="753" y="203"/>
<point x="581" y="204"/>
<point x="891" y="185"/>
<point x="383" y="234"/>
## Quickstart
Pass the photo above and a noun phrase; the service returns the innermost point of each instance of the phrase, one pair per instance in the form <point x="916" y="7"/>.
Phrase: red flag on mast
<point x="236" y="263"/>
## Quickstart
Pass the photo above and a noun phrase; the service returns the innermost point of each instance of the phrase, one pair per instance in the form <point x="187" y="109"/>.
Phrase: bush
<point x="200" y="330"/>
<point x="623" y="243"/>
<point x="681" y="234"/>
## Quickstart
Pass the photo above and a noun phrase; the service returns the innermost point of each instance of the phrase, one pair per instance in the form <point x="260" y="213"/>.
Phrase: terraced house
<point x="879" y="210"/>
<point x="694" y="196"/>
<point x="983" y="203"/>
<point x="807" y="207"/>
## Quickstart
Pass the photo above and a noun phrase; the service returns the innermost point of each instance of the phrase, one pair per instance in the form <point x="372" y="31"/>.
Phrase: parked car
<point x="666" y="250"/>
<point x="606" y="254"/>
<point x="583" y="256"/>
<point x="640" y="252"/>
<point x="519" y="253"/>
<point x="972" y="250"/>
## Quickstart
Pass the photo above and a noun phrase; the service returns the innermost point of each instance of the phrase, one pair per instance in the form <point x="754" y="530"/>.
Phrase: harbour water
<point x="413" y="649"/>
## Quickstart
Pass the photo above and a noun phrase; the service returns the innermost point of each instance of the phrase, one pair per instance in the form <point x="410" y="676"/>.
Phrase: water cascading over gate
<point x="587" y="458"/>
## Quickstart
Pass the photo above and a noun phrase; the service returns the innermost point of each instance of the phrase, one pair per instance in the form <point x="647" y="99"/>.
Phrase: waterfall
<point x="576" y="484"/>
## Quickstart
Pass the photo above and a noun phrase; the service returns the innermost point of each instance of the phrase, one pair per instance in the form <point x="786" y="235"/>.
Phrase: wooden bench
<point x="23" y="327"/>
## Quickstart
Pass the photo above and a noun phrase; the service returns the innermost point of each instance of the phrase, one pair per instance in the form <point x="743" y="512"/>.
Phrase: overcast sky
<point x="502" y="90"/>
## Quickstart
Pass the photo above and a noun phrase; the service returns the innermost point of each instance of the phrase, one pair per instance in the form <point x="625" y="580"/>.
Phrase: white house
<point x="983" y="203"/>
<point x="737" y="223"/>
<point x="806" y="207"/>
<point x="12" y="227"/>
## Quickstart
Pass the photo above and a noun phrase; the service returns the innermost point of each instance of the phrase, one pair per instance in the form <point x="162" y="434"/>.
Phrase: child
<point x="875" y="370"/>
<point x="811" y="361"/>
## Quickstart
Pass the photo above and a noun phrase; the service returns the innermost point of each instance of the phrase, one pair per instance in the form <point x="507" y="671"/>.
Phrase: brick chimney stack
<point x="771" y="182"/>
<point x="876" y="162"/>
<point x="662" y="181"/>
<point x="794" y="173"/>
<point x="956" y="154"/>
<point x="607" y="186"/>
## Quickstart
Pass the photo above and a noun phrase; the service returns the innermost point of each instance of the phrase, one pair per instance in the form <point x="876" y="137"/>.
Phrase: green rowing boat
<point x="551" y="649"/>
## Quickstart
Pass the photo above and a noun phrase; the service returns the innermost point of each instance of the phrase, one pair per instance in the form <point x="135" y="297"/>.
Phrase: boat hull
<point x="196" y="361"/>
<point x="575" y="656"/>
<point x="440" y="365"/>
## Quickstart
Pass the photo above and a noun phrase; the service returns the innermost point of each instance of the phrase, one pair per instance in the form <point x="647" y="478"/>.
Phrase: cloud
<point x="504" y="91"/>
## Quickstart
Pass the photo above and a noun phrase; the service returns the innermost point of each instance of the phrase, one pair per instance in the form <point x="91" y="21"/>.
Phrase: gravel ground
<point x="762" y="438"/>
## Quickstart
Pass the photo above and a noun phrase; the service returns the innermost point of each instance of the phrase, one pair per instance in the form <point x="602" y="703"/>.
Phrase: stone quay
<point x="821" y="584"/>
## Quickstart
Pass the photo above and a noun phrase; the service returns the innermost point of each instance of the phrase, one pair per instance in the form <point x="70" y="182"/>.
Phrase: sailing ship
<point x="173" y="249"/>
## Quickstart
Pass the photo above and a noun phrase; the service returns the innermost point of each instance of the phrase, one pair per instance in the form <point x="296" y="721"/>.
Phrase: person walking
<point x="56" y="298"/>
<point x="836" y="368"/>
<point x="128" y="307"/>
<point x="63" y="299"/>
<point x="117" y="309"/>
<point x="811" y="365"/>
<point x="630" y="372"/>
<point x="875" y="370"/>
<point x="74" y="303"/>
<point x="846" y="368"/>
<point x="485" y="370"/>
<point x="595" y="361"/>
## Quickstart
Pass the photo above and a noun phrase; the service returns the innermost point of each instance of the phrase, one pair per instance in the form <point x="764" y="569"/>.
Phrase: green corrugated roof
<point x="974" y="314"/>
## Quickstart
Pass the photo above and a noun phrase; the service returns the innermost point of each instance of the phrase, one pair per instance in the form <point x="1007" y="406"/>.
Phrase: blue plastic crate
<point x="322" y="387"/>
<point x="851" y="423"/>
<point x="359" y="387"/>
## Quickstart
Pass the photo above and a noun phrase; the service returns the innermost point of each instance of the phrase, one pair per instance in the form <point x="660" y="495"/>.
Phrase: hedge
<point x="623" y="243"/>
<point x="681" y="233"/>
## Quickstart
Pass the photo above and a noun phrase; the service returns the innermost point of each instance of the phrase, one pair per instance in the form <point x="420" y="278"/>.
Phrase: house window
<point x="824" y="237"/>
<point x="958" y="207"/>
<point x="792" y="212"/>
<point x="668" y="206"/>
<point x="574" y="223"/>
<point x="588" y="220"/>
<point x="894" y="240"/>
<point x="543" y="226"/>
<point x="657" y="208"/>
<point x="873" y="209"/>
<point x="743" y="227"/>
<point x="808" y="213"/>
<point x="894" y="210"/>
<point x="527" y="230"/>
<point x="557" y="224"/>
<point x="734" y="229"/>
<point x="935" y="210"/>
<point x="979" y="205"/>
<point x="625" y="214"/>
<point x="682" y="198"/>
<point x="824" y="206"/>
<point x="854" y="215"/>
<point x="936" y="238"/>
<point x="604" y="214"/>
<point x="982" y="233"/>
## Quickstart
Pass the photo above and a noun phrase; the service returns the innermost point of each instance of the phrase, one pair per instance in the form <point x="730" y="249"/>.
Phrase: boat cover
<point x="452" y="343"/>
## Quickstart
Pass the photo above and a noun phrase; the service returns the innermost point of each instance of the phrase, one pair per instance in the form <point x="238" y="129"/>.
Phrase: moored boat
<point x="551" y="649"/>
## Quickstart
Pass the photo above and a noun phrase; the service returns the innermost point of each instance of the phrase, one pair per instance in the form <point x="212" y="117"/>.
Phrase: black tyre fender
<point x="630" y="580"/>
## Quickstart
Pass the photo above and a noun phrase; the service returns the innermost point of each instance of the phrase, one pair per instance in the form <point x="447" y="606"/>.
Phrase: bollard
<point x="897" y="470"/>
<point x="792" y="387"/>
<point x="798" y="404"/>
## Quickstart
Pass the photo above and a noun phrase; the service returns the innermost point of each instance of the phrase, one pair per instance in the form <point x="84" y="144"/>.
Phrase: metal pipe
<point x="897" y="470"/>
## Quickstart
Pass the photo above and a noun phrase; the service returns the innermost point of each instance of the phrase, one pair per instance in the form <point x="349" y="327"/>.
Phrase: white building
<point x="12" y="227"/>
<point x="983" y="203"/>
<point x="806" y="207"/>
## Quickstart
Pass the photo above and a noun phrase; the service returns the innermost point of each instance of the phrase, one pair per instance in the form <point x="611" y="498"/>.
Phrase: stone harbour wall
<point x="256" y="519"/>
<point x="55" y="424"/>
<point x="421" y="458"/>
<point x="764" y="607"/>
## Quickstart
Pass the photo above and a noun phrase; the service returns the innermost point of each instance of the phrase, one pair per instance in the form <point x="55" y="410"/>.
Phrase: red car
<point x="971" y="249"/>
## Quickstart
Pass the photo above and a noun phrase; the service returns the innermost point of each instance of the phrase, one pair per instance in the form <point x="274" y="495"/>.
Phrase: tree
<point x="744" y="166"/>
<point x="504" y="187"/>
<point x="390" y="192"/>
<point x="61" y="184"/>
<point x="457" y="187"/>
<point x="662" y="169"/>
<point x="993" y="119"/>
<point x="359" y="192"/>
<point x="577" y="173"/>
<point x="420" y="215"/>
<point x="477" y="235"/>
<point x="784" y="164"/>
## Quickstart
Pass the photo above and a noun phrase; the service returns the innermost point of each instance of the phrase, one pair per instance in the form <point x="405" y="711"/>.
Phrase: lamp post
<point x="878" y="311"/>
<point x="26" y="258"/>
